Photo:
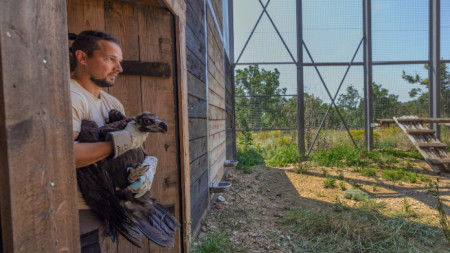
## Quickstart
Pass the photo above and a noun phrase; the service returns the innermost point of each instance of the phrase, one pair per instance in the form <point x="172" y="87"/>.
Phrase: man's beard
<point x="103" y="83"/>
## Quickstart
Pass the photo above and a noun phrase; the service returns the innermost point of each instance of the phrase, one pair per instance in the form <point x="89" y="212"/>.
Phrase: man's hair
<point x="87" y="42"/>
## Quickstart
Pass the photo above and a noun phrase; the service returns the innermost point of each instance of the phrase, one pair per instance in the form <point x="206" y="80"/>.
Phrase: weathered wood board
<point x="433" y="151"/>
<point x="37" y="167"/>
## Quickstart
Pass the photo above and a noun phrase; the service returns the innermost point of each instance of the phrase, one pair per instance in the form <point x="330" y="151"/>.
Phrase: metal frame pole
<point x="434" y="70"/>
<point x="368" y="96"/>
<point x="231" y="49"/>
<point x="300" y="84"/>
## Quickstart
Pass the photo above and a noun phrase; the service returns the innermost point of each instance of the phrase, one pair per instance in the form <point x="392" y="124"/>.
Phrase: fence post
<point x="434" y="70"/>
<point x="300" y="92"/>
<point x="368" y="103"/>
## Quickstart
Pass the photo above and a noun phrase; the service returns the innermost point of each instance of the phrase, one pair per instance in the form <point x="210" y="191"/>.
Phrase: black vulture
<point x="105" y="186"/>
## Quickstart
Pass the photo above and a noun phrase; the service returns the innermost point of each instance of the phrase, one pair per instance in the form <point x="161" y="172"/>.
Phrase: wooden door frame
<point x="178" y="9"/>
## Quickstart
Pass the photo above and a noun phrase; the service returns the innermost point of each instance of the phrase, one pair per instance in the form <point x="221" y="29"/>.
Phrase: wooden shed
<point x="211" y="98"/>
<point x="188" y="85"/>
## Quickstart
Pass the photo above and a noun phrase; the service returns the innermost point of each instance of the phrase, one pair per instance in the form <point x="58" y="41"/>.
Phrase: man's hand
<point x="141" y="177"/>
<point x="128" y="138"/>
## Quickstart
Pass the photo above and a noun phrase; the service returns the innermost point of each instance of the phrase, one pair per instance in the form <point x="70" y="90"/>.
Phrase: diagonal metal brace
<point x="251" y="34"/>
<point x="279" y="34"/>
<point x="332" y="98"/>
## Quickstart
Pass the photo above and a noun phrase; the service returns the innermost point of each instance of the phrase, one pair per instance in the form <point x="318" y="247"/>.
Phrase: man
<point x="95" y="64"/>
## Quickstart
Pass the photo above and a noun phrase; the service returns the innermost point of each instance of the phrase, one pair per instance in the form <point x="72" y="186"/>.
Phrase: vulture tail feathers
<point x="154" y="234"/>
<point x="166" y="216"/>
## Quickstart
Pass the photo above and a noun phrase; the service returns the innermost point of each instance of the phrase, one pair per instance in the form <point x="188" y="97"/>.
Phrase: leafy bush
<point x="302" y="168"/>
<point x="371" y="205"/>
<point x="342" y="155"/>
<point x="342" y="185"/>
<point x="329" y="182"/>
<point x="355" y="194"/>
<point x="247" y="158"/>
<point x="283" y="155"/>
<point x="369" y="172"/>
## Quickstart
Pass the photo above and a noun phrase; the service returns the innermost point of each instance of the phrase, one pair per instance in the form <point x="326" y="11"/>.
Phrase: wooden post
<point x="178" y="8"/>
<point x="37" y="169"/>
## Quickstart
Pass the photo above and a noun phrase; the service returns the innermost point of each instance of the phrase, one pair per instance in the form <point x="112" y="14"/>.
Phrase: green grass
<point x="343" y="155"/>
<point x="282" y="156"/>
<point x="329" y="182"/>
<point x="369" y="172"/>
<point x="359" y="231"/>
<point x="400" y="175"/>
<point x="247" y="158"/>
<point x="370" y="205"/>
<point x="213" y="242"/>
<point x="407" y="211"/>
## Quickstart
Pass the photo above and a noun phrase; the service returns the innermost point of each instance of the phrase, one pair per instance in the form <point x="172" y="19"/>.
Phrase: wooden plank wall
<point x="196" y="67"/>
<point x="146" y="34"/>
<point x="210" y="109"/>
<point x="37" y="169"/>
<point x="216" y="94"/>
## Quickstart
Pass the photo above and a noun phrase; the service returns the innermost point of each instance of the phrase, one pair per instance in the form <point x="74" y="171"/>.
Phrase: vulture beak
<point x="148" y="122"/>
<point x="162" y="126"/>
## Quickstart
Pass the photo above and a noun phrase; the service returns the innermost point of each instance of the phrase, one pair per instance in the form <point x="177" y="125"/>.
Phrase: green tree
<point x="385" y="105"/>
<point x="350" y="106"/>
<point x="421" y="104"/>
<point x="257" y="98"/>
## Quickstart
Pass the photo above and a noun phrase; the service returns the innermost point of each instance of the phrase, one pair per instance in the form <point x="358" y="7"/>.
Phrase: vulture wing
<point x="102" y="185"/>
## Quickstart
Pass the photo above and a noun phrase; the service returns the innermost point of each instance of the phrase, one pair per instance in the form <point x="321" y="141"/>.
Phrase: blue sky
<point x="332" y="30"/>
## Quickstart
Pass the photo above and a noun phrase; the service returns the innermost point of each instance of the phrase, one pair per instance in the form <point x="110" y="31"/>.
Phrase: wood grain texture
<point x="198" y="167"/>
<point x="197" y="107"/>
<point x="156" y="44"/>
<point x="180" y="37"/>
<point x="216" y="100"/>
<point x="216" y="126"/>
<point x="216" y="152"/>
<point x="199" y="198"/>
<point x="197" y="147"/>
<point x="38" y="174"/>
<point x="85" y="15"/>
<point x="156" y="69"/>
<point x="196" y="87"/>
<point x="128" y="90"/>
<point x="177" y="8"/>
<point x="217" y="86"/>
<point x="217" y="7"/>
<point x="216" y="139"/>
<point x="121" y="22"/>
<point x="197" y="128"/>
<point x="217" y="169"/>
<point x="216" y="113"/>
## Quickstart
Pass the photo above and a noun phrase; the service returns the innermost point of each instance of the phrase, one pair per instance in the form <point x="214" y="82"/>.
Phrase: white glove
<point x="146" y="171"/>
<point x="128" y="138"/>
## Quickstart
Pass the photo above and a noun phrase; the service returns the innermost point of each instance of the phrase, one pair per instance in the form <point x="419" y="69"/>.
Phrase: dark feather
<point x="103" y="186"/>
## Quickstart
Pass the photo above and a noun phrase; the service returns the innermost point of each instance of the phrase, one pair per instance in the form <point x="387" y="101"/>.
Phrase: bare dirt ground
<point x="251" y="211"/>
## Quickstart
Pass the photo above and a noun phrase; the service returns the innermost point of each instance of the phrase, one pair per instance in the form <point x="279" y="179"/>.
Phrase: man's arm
<point x="88" y="153"/>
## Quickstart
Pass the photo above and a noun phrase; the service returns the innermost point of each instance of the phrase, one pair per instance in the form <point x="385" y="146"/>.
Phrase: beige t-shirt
<point x="86" y="106"/>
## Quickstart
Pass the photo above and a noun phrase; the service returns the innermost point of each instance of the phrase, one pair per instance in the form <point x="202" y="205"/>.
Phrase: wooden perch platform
<point x="383" y="122"/>
<point x="433" y="151"/>
<point x="420" y="131"/>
